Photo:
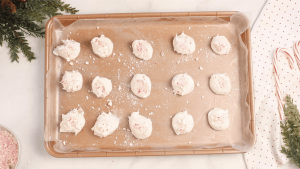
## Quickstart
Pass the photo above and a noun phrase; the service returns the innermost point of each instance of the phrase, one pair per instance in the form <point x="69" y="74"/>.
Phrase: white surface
<point x="22" y="94"/>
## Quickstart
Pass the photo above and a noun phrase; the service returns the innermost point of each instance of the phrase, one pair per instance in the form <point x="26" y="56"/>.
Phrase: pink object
<point x="276" y="73"/>
<point x="9" y="150"/>
<point x="297" y="53"/>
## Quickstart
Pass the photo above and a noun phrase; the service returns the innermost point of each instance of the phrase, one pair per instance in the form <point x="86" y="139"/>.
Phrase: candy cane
<point x="297" y="53"/>
<point x="277" y="80"/>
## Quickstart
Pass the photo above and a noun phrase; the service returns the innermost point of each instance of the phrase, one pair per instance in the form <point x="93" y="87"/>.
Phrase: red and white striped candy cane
<point x="276" y="73"/>
<point x="297" y="53"/>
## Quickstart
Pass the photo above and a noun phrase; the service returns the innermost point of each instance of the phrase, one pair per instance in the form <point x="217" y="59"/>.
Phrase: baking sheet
<point x="162" y="102"/>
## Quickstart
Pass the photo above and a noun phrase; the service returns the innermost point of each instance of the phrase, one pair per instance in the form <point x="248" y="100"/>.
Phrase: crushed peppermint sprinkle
<point x="71" y="63"/>
<point x="109" y="103"/>
<point x="9" y="149"/>
<point x="201" y="68"/>
<point x="162" y="53"/>
<point x="86" y="63"/>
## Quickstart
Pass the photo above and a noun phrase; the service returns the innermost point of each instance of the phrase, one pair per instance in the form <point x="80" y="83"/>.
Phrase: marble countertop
<point x="22" y="93"/>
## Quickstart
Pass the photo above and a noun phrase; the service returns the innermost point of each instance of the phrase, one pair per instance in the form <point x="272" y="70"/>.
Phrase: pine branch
<point x="19" y="42"/>
<point x="291" y="131"/>
<point x="36" y="12"/>
<point x="1" y="35"/>
<point x="14" y="25"/>
<point x="24" y="46"/>
<point x="63" y="7"/>
<point x="13" y="51"/>
<point x="25" y="25"/>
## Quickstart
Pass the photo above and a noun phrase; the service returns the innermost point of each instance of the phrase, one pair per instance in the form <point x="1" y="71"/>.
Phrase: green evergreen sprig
<point x="27" y="20"/>
<point x="291" y="131"/>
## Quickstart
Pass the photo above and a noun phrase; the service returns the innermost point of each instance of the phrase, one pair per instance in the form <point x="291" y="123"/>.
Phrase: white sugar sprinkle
<point x="109" y="103"/>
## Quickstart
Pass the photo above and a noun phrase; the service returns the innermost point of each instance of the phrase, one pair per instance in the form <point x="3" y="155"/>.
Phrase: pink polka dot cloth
<point x="278" y="26"/>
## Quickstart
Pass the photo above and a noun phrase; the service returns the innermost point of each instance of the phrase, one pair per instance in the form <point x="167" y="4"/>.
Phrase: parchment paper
<point x="162" y="104"/>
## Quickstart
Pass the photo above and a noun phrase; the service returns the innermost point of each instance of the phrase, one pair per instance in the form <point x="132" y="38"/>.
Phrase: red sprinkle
<point x="9" y="149"/>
